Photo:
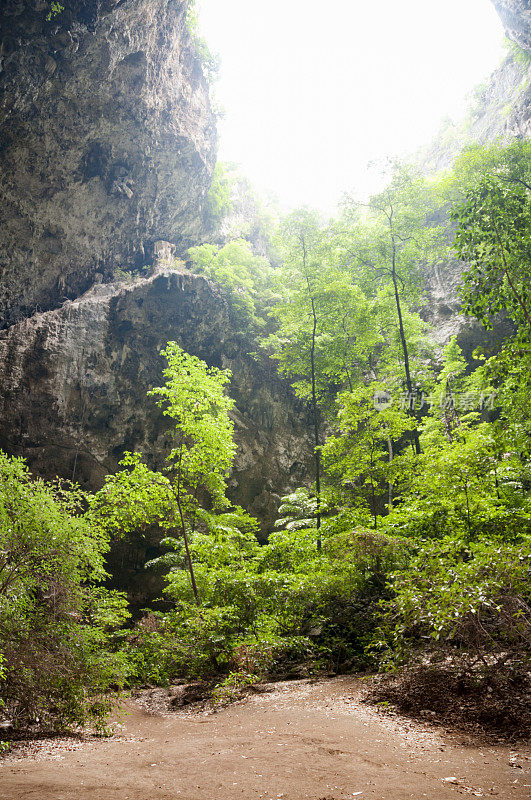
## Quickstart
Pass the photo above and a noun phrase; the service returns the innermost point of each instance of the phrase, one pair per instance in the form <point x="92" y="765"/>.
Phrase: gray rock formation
<point x="75" y="381"/>
<point x="107" y="143"/>
<point x="516" y="17"/>
<point x="499" y="112"/>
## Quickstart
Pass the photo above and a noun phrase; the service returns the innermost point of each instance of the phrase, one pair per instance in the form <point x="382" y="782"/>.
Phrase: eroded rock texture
<point x="107" y="143"/>
<point x="75" y="382"/>
<point x="500" y="112"/>
<point x="516" y="17"/>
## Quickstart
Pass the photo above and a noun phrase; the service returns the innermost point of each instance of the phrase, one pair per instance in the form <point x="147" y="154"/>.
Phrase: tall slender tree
<point x="324" y="326"/>
<point x="297" y="343"/>
<point x="387" y="244"/>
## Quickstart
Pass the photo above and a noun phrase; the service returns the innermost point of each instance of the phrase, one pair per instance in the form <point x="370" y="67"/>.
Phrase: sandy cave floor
<point x="302" y="740"/>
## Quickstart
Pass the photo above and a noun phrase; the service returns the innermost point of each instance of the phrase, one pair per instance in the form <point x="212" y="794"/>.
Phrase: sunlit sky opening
<point x="313" y="90"/>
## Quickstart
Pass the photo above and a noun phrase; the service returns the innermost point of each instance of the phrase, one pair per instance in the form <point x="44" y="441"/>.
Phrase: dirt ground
<point x="302" y="740"/>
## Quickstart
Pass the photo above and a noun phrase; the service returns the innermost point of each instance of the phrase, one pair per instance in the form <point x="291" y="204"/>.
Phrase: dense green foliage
<point x="268" y="608"/>
<point x="246" y="280"/>
<point x="55" y="620"/>
<point x="494" y="239"/>
<point x="198" y="462"/>
<point x="410" y="540"/>
<point x="466" y="482"/>
<point x="416" y="444"/>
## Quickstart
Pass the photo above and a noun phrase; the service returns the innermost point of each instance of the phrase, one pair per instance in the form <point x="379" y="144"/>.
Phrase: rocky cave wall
<point x="516" y="18"/>
<point x="107" y="144"/>
<point x="500" y="112"/>
<point x="75" y="384"/>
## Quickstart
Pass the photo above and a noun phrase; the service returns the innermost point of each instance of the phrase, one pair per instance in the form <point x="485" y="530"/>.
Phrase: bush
<point x="271" y="610"/>
<point x="472" y="598"/>
<point x="54" y="625"/>
<point x="457" y="634"/>
<point x="188" y="642"/>
<point x="233" y="687"/>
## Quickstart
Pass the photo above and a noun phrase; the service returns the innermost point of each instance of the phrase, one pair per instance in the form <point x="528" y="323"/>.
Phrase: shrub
<point x="456" y="635"/>
<point x="473" y="598"/>
<point x="188" y="642"/>
<point x="232" y="687"/>
<point x="54" y="625"/>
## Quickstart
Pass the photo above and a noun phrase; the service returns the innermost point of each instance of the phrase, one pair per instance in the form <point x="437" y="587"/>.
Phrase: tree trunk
<point x="409" y="384"/>
<point x="315" y="410"/>
<point x="390" y="485"/>
<point x="188" y="556"/>
<point x="177" y="495"/>
<point x="316" y="431"/>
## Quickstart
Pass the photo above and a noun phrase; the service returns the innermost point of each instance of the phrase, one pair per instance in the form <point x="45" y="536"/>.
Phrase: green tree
<point x="343" y="317"/>
<point x="509" y="164"/>
<point x="450" y="390"/>
<point x="323" y="325"/>
<point x="361" y="455"/>
<point x="198" y="463"/>
<point x="392" y="245"/>
<point x="493" y="237"/>
<point x="296" y="343"/>
<point x="245" y="277"/>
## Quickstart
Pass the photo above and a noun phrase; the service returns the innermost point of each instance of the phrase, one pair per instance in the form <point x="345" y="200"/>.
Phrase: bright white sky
<point x="315" y="89"/>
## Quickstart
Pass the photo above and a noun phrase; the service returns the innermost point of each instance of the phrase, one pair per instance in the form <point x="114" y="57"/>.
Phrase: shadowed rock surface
<point x="107" y="143"/>
<point x="516" y="17"/>
<point x="75" y="382"/>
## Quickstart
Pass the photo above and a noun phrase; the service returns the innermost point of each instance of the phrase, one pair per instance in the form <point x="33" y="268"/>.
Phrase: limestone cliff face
<point x="107" y="143"/>
<point x="500" y="111"/>
<point x="516" y="17"/>
<point x="75" y="381"/>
